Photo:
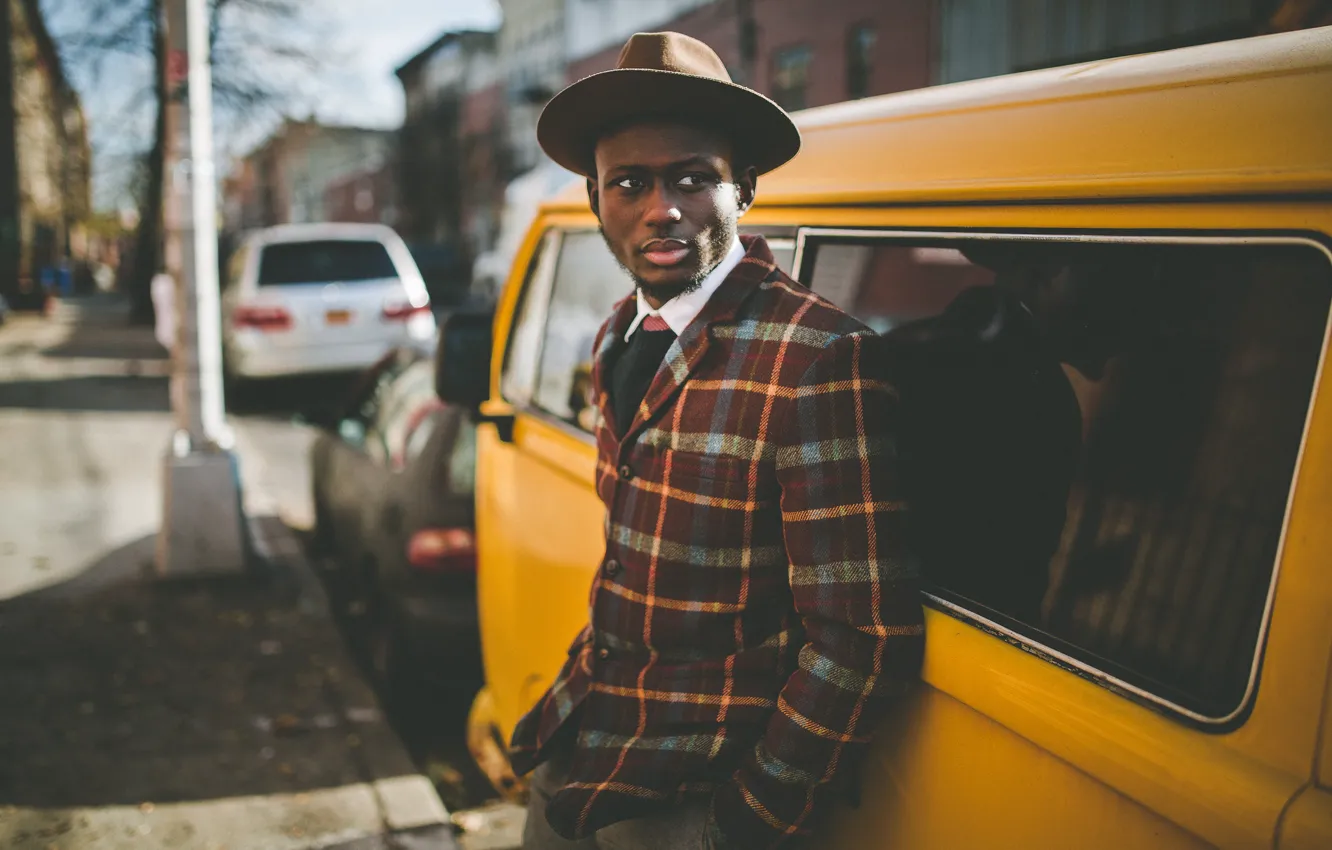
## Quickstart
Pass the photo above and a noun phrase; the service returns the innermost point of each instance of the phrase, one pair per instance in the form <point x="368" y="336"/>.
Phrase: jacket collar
<point x="688" y="350"/>
<point x="680" y="312"/>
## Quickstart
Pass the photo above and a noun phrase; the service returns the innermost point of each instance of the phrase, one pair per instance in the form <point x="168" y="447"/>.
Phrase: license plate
<point x="337" y="317"/>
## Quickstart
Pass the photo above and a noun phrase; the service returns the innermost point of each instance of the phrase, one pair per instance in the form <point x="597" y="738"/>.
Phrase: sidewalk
<point x="220" y="714"/>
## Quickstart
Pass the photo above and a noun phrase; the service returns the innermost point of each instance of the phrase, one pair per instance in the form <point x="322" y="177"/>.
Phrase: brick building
<point x="805" y="54"/>
<point x="368" y="196"/>
<point x="45" y="160"/>
<point x="284" y="180"/>
<point x="451" y="159"/>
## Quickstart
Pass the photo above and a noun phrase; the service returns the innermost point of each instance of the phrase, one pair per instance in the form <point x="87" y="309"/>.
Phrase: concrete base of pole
<point x="203" y="525"/>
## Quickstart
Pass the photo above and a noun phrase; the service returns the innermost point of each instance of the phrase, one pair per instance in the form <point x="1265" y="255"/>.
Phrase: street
<point x="219" y="713"/>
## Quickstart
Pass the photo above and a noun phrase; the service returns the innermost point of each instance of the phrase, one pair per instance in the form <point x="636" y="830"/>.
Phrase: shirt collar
<point x="680" y="312"/>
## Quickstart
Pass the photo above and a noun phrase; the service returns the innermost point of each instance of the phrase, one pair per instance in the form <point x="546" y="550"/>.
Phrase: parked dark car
<point x="393" y="485"/>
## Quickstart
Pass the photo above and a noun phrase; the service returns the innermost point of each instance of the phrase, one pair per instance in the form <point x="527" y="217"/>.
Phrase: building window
<point x="791" y="76"/>
<point x="859" y="53"/>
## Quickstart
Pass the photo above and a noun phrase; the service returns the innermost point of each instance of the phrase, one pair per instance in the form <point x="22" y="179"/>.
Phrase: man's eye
<point x="691" y="181"/>
<point x="629" y="183"/>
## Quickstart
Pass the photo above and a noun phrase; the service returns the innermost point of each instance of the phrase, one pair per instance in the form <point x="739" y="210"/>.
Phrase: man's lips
<point x="665" y="252"/>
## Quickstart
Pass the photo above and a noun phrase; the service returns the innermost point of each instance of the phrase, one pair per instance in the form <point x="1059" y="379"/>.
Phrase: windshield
<point x="324" y="261"/>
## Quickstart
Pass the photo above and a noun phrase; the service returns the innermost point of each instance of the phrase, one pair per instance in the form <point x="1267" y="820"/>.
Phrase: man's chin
<point x="665" y="284"/>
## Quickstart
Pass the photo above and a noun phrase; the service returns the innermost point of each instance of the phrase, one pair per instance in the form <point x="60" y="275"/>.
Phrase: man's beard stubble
<point x="720" y="244"/>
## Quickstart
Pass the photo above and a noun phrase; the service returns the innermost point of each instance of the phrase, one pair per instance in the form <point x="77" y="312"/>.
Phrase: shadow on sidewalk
<point x="121" y="689"/>
<point x="99" y="393"/>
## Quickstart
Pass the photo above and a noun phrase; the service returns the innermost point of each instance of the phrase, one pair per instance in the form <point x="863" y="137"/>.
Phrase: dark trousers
<point x="681" y="827"/>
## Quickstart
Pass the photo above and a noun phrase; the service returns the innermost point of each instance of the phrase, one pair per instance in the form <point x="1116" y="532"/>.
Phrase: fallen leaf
<point x="288" y="724"/>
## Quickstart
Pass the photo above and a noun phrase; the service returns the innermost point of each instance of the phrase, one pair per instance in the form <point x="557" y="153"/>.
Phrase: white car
<point x="308" y="298"/>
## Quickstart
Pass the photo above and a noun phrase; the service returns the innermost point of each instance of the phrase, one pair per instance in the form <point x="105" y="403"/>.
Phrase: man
<point x="755" y="612"/>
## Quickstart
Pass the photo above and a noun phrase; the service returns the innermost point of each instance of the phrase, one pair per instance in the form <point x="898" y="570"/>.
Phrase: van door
<point x="1106" y="692"/>
<point x="540" y="525"/>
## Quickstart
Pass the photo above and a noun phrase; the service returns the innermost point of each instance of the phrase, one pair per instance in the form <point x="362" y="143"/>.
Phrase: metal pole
<point x="203" y="527"/>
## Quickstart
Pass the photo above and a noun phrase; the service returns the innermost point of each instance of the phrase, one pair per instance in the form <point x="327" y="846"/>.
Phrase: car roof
<point x="1239" y="117"/>
<point x="322" y="231"/>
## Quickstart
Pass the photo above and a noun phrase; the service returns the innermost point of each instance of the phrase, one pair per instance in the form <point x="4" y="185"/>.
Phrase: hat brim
<point x="763" y="134"/>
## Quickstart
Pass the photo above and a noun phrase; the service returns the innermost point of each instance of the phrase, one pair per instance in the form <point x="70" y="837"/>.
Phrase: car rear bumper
<point x="252" y="360"/>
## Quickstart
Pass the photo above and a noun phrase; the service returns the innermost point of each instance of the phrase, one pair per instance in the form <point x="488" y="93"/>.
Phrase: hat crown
<point x="672" y="51"/>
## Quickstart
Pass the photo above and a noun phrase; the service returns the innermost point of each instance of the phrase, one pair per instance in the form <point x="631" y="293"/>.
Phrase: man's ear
<point x="746" y="184"/>
<point x="593" y="198"/>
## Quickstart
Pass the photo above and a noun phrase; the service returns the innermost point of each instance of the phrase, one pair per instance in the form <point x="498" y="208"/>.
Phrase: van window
<point x="587" y="284"/>
<point x="518" y="379"/>
<point x="324" y="261"/>
<point x="1099" y="438"/>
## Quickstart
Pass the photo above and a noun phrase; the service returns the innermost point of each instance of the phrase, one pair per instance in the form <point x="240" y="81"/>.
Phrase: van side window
<point x="518" y="378"/>
<point x="1098" y="439"/>
<point x="587" y="284"/>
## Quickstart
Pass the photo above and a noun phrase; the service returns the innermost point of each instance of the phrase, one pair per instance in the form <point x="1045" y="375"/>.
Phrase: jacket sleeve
<point x="854" y="587"/>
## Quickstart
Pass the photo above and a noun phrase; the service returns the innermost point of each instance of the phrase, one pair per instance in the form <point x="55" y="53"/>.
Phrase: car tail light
<point x="442" y="550"/>
<point x="261" y="317"/>
<point x="398" y="310"/>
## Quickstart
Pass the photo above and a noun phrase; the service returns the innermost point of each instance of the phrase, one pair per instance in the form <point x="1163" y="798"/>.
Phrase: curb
<point x="409" y="807"/>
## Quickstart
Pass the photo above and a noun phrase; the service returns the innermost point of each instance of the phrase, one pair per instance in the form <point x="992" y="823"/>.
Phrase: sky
<point x="379" y="35"/>
<point x="360" y="43"/>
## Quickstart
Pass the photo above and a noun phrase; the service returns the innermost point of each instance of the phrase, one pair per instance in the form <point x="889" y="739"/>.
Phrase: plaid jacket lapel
<point x="612" y="338"/>
<point x="683" y="358"/>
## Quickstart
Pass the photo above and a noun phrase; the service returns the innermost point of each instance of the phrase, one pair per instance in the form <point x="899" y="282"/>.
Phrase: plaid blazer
<point x="755" y="611"/>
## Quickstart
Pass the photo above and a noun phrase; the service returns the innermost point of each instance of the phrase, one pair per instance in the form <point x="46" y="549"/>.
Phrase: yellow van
<point x="1170" y="686"/>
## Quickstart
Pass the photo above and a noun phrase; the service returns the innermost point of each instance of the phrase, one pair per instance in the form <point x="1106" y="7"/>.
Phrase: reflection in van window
<point x="588" y="283"/>
<point x="518" y="380"/>
<point x="1099" y="440"/>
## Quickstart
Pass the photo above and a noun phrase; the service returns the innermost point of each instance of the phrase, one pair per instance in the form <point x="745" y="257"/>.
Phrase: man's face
<point x="668" y="201"/>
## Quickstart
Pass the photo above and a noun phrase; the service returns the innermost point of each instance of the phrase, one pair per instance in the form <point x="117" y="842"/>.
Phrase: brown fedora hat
<point x="665" y="76"/>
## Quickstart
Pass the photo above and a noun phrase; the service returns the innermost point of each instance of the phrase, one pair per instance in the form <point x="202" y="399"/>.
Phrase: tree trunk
<point x="148" y="239"/>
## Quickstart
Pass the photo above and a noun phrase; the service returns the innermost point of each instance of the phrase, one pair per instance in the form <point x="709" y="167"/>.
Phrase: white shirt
<point x="680" y="311"/>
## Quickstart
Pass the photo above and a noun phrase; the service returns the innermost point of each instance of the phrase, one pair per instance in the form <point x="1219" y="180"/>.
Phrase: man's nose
<point x="662" y="210"/>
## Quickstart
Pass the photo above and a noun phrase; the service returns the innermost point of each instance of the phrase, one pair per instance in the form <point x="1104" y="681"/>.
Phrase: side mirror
<point x="462" y="358"/>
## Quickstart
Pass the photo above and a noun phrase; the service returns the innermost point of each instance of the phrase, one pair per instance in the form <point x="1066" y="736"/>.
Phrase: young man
<point x="755" y="611"/>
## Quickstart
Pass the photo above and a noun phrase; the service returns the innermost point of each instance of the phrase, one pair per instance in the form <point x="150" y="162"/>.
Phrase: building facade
<point x="805" y="54"/>
<point x="45" y="187"/>
<point x="595" y="25"/>
<point x="284" y="180"/>
<point x="367" y="197"/>
<point x="982" y="38"/>
<point x="451" y="158"/>
<point x="532" y="57"/>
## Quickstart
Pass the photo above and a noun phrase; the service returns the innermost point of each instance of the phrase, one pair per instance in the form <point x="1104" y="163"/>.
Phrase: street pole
<point x="203" y="526"/>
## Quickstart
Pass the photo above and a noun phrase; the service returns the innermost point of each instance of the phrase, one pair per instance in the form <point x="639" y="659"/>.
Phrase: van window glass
<point x="1098" y="440"/>
<point x="518" y="379"/>
<point x="324" y="261"/>
<point x="588" y="282"/>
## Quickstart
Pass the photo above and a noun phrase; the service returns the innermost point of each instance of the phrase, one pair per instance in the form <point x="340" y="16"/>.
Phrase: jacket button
<point x="603" y="653"/>
<point x="626" y="472"/>
<point x="612" y="568"/>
